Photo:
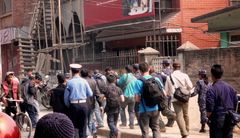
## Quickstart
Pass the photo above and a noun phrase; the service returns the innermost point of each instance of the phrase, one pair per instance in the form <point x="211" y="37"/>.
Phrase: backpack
<point x="100" y="83"/>
<point x="152" y="92"/>
<point x="113" y="97"/>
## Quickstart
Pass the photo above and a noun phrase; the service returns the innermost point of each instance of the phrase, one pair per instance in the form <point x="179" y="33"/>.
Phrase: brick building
<point x="15" y="18"/>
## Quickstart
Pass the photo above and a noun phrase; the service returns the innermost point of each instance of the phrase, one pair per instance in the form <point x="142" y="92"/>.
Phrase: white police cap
<point x="75" y="66"/>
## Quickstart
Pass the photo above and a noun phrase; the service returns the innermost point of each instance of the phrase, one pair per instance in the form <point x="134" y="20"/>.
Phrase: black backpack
<point x="100" y="83"/>
<point x="152" y="92"/>
<point x="113" y="97"/>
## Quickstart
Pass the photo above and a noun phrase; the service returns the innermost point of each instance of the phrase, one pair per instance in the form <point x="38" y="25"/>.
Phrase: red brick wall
<point x="21" y="10"/>
<point x="194" y="32"/>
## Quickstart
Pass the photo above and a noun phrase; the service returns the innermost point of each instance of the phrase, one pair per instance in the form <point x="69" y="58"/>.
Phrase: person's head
<point x="96" y="71"/>
<point x="9" y="76"/>
<point x="111" y="78"/>
<point x="29" y="72"/>
<point x="216" y="72"/>
<point x="202" y="73"/>
<point x="67" y="76"/>
<point x="54" y="125"/>
<point x="38" y="79"/>
<point x="61" y="78"/>
<point x="151" y="70"/>
<point x="176" y="65"/>
<point x="108" y="70"/>
<point x="144" y="67"/>
<point x="135" y="67"/>
<point x="75" y="68"/>
<point x="166" y="63"/>
<point x="128" y="68"/>
<point x="84" y="73"/>
<point x="8" y="127"/>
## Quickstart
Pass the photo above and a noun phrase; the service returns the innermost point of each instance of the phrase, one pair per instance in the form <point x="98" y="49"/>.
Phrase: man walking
<point x="148" y="116"/>
<point x="183" y="81"/>
<point x="221" y="97"/>
<point x="127" y="83"/>
<point x="75" y="97"/>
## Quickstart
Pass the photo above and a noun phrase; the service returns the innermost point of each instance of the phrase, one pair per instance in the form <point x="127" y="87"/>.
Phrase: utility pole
<point x="60" y="34"/>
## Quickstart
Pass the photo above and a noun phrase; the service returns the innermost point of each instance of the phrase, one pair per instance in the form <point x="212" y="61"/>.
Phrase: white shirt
<point x="181" y="80"/>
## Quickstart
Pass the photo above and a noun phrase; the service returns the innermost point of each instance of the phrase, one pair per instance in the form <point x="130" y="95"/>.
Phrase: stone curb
<point x="105" y="132"/>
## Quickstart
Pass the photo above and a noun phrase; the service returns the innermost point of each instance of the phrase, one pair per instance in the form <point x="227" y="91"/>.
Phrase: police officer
<point x="75" y="95"/>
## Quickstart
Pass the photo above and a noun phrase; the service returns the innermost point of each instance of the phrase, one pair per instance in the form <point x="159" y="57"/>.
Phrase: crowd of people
<point x="79" y="102"/>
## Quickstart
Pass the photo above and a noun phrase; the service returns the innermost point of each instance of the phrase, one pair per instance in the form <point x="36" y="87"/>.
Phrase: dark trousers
<point x="220" y="127"/>
<point x="11" y="108"/>
<point x="112" y="119"/>
<point x="78" y="113"/>
<point x="129" y="101"/>
<point x="32" y="112"/>
<point x="149" y="119"/>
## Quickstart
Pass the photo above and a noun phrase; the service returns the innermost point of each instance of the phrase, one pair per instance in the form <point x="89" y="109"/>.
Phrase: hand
<point x="102" y="109"/>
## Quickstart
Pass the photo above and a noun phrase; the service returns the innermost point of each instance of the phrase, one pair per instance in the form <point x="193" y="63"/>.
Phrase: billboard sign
<point x="99" y="13"/>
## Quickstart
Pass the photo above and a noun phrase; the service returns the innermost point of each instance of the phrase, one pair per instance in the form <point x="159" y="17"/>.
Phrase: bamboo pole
<point x="60" y="34"/>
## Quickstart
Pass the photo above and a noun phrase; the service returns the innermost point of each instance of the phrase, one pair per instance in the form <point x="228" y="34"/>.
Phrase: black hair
<point x="143" y="67"/>
<point x="217" y="71"/>
<point x="128" y="68"/>
<point x="75" y="71"/>
<point x="108" y="69"/>
<point x="135" y="66"/>
<point x="38" y="77"/>
<point x="111" y="78"/>
<point x="84" y="73"/>
<point x="61" y="78"/>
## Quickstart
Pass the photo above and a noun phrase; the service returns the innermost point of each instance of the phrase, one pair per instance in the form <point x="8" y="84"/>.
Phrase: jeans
<point x="149" y="119"/>
<point x="129" y="101"/>
<point x="32" y="112"/>
<point x="98" y="114"/>
<point x="91" y="123"/>
<point x="112" y="119"/>
<point x="220" y="127"/>
<point x="182" y="118"/>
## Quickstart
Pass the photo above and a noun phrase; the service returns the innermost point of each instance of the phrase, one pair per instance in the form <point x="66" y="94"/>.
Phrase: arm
<point x="137" y="89"/>
<point x="88" y="90"/>
<point x="122" y="98"/>
<point x="168" y="87"/>
<point x="98" y="94"/>
<point x="197" y="89"/>
<point x="210" y="102"/>
<point x="66" y="97"/>
<point x="189" y="83"/>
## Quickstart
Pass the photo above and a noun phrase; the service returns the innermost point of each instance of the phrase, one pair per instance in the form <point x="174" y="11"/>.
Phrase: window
<point x="234" y="2"/>
<point x="234" y="38"/>
<point x="6" y="6"/>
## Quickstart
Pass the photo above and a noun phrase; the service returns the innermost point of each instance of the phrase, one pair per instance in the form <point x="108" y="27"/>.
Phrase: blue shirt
<point x="139" y="91"/>
<point x="214" y="102"/>
<point x="128" y="81"/>
<point x="77" y="89"/>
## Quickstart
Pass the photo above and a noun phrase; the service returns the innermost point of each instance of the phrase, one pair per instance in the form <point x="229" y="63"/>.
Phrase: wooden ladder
<point x="27" y="54"/>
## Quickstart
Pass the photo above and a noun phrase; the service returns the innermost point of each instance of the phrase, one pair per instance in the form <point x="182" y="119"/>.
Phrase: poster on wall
<point x="98" y="13"/>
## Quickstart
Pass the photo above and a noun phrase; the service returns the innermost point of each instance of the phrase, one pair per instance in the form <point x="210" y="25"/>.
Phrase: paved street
<point x="170" y="133"/>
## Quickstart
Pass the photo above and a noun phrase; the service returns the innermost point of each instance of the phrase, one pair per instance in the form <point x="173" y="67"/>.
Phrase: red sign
<point x="101" y="12"/>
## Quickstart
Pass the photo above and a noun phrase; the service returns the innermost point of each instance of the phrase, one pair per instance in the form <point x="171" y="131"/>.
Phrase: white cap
<point x="9" y="72"/>
<point x="75" y="66"/>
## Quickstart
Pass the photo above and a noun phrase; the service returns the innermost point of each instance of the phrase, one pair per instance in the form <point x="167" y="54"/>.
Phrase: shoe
<point x="131" y="127"/>
<point x="184" y="136"/>
<point x="202" y="131"/>
<point x="162" y="129"/>
<point x="99" y="126"/>
<point x="95" y="135"/>
<point x="123" y="125"/>
<point x="170" y="123"/>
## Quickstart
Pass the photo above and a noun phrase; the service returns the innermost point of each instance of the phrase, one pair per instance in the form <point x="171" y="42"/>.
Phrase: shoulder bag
<point x="178" y="94"/>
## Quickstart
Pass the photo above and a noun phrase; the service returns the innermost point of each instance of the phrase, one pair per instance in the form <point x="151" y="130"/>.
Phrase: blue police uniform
<point x="75" y="96"/>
